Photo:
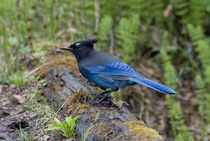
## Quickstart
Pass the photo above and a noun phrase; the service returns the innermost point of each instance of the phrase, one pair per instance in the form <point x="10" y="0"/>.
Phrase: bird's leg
<point x="107" y="93"/>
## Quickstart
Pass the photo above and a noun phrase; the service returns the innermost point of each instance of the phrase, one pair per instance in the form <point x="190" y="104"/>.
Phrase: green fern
<point x="197" y="12"/>
<point x="202" y="47"/>
<point x="195" y="33"/>
<point x="179" y="130"/>
<point x="127" y="34"/>
<point x="104" y="33"/>
<point x="129" y="8"/>
<point x="150" y="6"/>
<point x="181" y="8"/>
<point x="203" y="105"/>
<point x="108" y="7"/>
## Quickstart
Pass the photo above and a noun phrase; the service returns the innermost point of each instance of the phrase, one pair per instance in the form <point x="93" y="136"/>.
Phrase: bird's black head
<point x="80" y="48"/>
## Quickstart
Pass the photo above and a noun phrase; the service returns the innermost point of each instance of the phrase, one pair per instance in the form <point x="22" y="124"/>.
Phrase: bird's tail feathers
<point x="154" y="85"/>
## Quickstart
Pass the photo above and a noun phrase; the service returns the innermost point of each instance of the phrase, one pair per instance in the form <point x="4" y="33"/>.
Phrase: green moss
<point x="141" y="131"/>
<point x="73" y="104"/>
<point x="57" y="87"/>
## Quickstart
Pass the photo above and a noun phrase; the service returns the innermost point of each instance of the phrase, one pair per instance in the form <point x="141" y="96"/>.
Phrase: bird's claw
<point x="102" y="102"/>
<point x="94" y="94"/>
<point x="94" y="103"/>
<point x="107" y="103"/>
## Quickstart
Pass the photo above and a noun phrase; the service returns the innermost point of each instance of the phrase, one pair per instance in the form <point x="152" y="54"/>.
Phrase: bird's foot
<point x="97" y="102"/>
<point x="94" y="96"/>
<point x="107" y="103"/>
<point x="105" y="97"/>
<point x="98" y="94"/>
<point x="101" y="100"/>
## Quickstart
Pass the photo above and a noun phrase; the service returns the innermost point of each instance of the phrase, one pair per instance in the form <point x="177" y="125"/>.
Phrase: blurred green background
<point x="166" y="40"/>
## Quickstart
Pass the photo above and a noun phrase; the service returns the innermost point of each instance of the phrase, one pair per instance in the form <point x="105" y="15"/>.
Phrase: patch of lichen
<point x="141" y="131"/>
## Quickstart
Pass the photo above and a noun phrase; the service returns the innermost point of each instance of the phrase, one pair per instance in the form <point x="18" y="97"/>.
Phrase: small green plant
<point x="66" y="127"/>
<point x="18" y="79"/>
<point x="24" y="136"/>
<point x="84" y="137"/>
<point x="3" y="77"/>
<point x="38" y="87"/>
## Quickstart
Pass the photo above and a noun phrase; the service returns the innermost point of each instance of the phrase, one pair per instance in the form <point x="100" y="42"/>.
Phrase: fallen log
<point x="99" y="122"/>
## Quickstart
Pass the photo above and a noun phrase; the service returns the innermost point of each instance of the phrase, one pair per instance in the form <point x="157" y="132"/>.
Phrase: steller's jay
<point x="108" y="72"/>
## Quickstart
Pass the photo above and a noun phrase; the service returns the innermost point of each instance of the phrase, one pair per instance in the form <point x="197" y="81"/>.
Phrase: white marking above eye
<point x="77" y="44"/>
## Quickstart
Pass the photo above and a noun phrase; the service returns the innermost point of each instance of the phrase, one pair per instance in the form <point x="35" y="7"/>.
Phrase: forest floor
<point x="23" y="118"/>
<point x="25" y="113"/>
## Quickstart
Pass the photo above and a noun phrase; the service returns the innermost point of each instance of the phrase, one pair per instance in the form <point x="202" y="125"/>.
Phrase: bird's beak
<point x="66" y="48"/>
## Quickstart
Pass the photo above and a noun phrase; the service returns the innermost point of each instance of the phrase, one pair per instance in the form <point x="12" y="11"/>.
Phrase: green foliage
<point x="67" y="127"/>
<point x="24" y="136"/>
<point x="197" y="12"/>
<point x="130" y="7"/>
<point x="3" y="77"/>
<point x="203" y="49"/>
<point x="39" y="86"/>
<point x="204" y="55"/>
<point x="195" y="33"/>
<point x="179" y="130"/>
<point x="104" y="33"/>
<point x="127" y="35"/>
<point x="84" y="137"/>
<point x="51" y="11"/>
<point x="108" y="7"/>
<point x="204" y="100"/>
<point x="18" y="79"/>
<point x="181" y="9"/>
<point x="146" y="7"/>
<point x="207" y="75"/>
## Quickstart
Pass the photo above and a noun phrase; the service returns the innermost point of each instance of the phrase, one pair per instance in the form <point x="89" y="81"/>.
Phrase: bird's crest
<point x="85" y="42"/>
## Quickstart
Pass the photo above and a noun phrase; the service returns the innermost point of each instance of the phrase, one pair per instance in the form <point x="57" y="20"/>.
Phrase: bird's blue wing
<point x="119" y="67"/>
<point x="115" y="70"/>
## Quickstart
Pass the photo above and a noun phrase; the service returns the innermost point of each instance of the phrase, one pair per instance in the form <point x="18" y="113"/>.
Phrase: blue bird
<point x="108" y="72"/>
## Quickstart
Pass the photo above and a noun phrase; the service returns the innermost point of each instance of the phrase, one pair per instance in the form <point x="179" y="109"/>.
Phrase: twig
<point x="36" y="69"/>
<point x="61" y="107"/>
<point x="96" y="13"/>
<point x="111" y="47"/>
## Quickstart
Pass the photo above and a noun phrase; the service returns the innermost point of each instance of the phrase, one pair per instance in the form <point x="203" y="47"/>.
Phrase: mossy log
<point x="104" y="122"/>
